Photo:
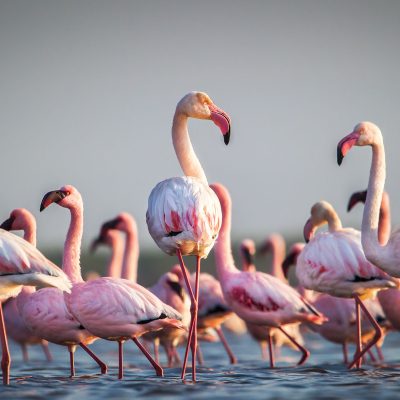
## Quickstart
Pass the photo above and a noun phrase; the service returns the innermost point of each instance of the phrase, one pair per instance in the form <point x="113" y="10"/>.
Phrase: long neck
<point x="223" y="251"/>
<point x="333" y="220"/>
<point x="131" y="255"/>
<point x="373" y="201"/>
<point x="30" y="232"/>
<point x="278" y="255"/>
<point x="384" y="227"/>
<point x="188" y="160"/>
<point x="115" y="263"/>
<point x="72" y="246"/>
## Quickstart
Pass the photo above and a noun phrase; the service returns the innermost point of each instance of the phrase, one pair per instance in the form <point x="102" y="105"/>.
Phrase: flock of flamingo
<point x="348" y="288"/>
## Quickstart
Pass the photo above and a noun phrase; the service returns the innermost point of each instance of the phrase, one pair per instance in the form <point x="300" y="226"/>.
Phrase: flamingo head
<point x="19" y="219"/>
<point x="199" y="105"/>
<point x="67" y="197"/>
<point x="320" y="213"/>
<point x="291" y="258"/>
<point x="364" y="134"/>
<point x="123" y="222"/>
<point x="247" y="251"/>
<point x="171" y="281"/>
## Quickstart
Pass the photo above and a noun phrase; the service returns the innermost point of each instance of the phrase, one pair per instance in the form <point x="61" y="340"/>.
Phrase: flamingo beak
<point x="308" y="231"/>
<point x="112" y="224"/>
<point x="288" y="262"/>
<point x="177" y="288"/>
<point x="222" y="120"/>
<point x="345" y="145"/>
<point x="54" y="196"/>
<point x="249" y="258"/>
<point x="356" y="198"/>
<point x="96" y="242"/>
<point x="7" y="224"/>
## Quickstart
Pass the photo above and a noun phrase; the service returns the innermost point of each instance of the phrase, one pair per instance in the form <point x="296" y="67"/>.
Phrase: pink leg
<point x="103" y="367"/>
<point x="46" y="350"/>
<point x="192" y="339"/>
<point x="200" y="358"/>
<point x="25" y="355"/>
<point x="177" y="359"/>
<point x="271" y="351"/>
<point x="156" y="345"/>
<point x="120" y="359"/>
<point x="221" y="335"/>
<point x="371" y="356"/>
<point x="5" y="359"/>
<point x="380" y="353"/>
<point x="305" y="352"/>
<point x="157" y="367"/>
<point x="359" y="343"/>
<point x="375" y="339"/>
<point x="263" y="346"/>
<point x="345" y="353"/>
<point x="71" y="349"/>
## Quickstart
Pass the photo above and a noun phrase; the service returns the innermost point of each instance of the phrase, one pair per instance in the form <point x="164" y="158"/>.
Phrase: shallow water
<point x="323" y="377"/>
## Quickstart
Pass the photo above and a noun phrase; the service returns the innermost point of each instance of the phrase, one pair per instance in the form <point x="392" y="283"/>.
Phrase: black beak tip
<point x="227" y="137"/>
<point x="339" y="156"/>
<point x="42" y="207"/>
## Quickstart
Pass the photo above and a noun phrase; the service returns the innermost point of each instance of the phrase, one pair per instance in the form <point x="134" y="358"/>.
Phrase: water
<point x="323" y="377"/>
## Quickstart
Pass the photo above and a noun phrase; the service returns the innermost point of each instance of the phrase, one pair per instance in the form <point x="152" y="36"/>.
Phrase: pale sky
<point x="89" y="87"/>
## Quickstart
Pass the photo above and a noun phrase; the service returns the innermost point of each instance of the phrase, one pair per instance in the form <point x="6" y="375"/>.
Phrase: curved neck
<point x="115" y="263"/>
<point x="373" y="201"/>
<point x="131" y="256"/>
<point x="187" y="158"/>
<point x="72" y="247"/>
<point x="384" y="226"/>
<point x="223" y="251"/>
<point x="30" y="232"/>
<point x="333" y="220"/>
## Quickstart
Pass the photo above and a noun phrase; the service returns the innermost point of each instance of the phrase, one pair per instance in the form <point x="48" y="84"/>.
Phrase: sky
<point x="88" y="89"/>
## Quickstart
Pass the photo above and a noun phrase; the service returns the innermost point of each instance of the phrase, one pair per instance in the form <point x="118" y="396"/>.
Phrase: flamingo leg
<point x="359" y="343"/>
<point x="71" y="349"/>
<point x="380" y="353"/>
<point x="103" y="367"/>
<point x="200" y="358"/>
<point x="345" y="353"/>
<point x="5" y="359"/>
<point x="120" y="359"/>
<point x="232" y="358"/>
<point x="46" y="350"/>
<point x="193" y="311"/>
<point x="157" y="367"/>
<point x="263" y="346"/>
<point x="305" y="352"/>
<point x="374" y="340"/>
<point x="177" y="358"/>
<point x="25" y="354"/>
<point x="156" y="345"/>
<point x="371" y="356"/>
<point x="271" y="351"/>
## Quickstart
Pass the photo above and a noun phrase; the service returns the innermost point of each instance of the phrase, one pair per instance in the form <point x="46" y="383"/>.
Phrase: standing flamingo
<point x="385" y="256"/>
<point x="263" y="335"/>
<point x="389" y="299"/>
<point x="113" y="309"/>
<point x="341" y="326"/>
<point x="22" y="219"/>
<point x="21" y="264"/>
<point x="258" y="297"/>
<point x="184" y="215"/>
<point x="333" y="262"/>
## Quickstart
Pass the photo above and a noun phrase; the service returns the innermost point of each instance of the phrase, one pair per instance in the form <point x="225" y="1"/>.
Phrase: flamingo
<point x="22" y="219"/>
<point x="385" y="256"/>
<point x="333" y="262"/>
<point x="21" y="264"/>
<point x="341" y="326"/>
<point x="184" y="215"/>
<point x="113" y="309"/>
<point x="168" y="288"/>
<point x="389" y="299"/>
<point x="258" y="297"/>
<point x="263" y="335"/>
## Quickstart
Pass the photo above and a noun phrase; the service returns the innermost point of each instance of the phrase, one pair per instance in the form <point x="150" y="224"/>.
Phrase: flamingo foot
<point x="303" y="350"/>
<point x="157" y="367"/>
<point x="102" y="365"/>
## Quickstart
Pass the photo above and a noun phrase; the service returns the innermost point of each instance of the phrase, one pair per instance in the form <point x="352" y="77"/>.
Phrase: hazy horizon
<point x="88" y="91"/>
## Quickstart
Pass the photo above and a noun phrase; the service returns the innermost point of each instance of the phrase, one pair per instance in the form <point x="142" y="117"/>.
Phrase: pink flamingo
<point x="113" y="309"/>
<point x="184" y="215"/>
<point x="257" y="297"/>
<point x="389" y="299"/>
<point x="341" y="326"/>
<point x="21" y="264"/>
<point x="273" y="338"/>
<point x="385" y="256"/>
<point x="333" y="262"/>
<point x="22" y="219"/>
